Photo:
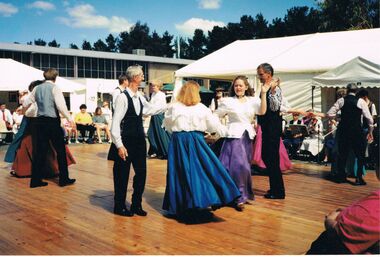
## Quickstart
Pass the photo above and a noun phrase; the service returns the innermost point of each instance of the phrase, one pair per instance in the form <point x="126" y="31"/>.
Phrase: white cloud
<point x="209" y="4"/>
<point x="84" y="16"/>
<point x="42" y="5"/>
<point x="189" y="26"/>
<point x="65" y="3"/>
<point x="7" y="10"/>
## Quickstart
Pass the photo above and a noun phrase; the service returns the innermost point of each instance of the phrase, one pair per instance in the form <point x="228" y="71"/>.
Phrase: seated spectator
<point x="84" y="123"/>
<point x="6" y="117"/>
<point x="17" y="119"/>
<point x="329" y="141"/>
<point x="107" y="112"/>
<point x="313" y="143"/>
<point x="101" y="124"/>
<point x="293" y="141"/>
<point x="70" y="131"/>
<point x="352" y="230"/>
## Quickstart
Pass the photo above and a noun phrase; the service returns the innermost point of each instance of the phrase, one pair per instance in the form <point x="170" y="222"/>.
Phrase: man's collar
<point x="131" y="93"/>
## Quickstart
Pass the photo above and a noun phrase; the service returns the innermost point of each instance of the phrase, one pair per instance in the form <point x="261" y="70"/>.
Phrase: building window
<point x="12" y="97"/>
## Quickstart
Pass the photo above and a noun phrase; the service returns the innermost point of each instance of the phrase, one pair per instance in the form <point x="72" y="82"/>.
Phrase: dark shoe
<point x="239" y="206"/>
<point x="34" y="184"/>
<point x="122" y="212"/>
<point x="67" y="182"/>
<point x="273" y="196"/>
<point x="360" y="182"/>
<point x="340" y="180"/>
<point x="138" y="211"/>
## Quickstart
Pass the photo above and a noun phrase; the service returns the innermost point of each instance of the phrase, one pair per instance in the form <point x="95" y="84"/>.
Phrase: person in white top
<point x="240" y="108"/>
<point x="216" y="100"/>
<point x="196" y="179"/>
<point x="17" y="118"/>
<point x="158" y="138"/>
<point x="350" y="132"/>
<point x="6" y="116"/>
<point x="123" y="84"/>
<point x="128" y="136"/>
<point x="314" y="142"/>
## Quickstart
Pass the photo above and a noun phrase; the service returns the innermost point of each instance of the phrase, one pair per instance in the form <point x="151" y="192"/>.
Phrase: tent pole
<point x="312" y="96"/>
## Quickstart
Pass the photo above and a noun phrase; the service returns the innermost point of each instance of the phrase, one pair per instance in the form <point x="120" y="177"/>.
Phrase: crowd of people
<point x="198" y="178"/>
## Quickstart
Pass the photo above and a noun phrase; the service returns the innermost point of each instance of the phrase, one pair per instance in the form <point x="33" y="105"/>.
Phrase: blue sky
<point x="72" y="21"/>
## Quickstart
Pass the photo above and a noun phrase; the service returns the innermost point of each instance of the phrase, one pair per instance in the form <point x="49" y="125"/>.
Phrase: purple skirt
<point x="236" y="156"/>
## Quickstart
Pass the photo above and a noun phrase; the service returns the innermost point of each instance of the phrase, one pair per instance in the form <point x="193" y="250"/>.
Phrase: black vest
<point x="350" y="121"/>
<point x="271" y="121"/>
<point x="132" y="124"/>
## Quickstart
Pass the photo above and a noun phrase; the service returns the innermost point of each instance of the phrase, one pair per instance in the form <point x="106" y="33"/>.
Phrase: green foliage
<point x="39" y="42"/>
<point x="86" y="45"/>
<point x="100" y="46"/>
<point x="73" y="46"/>
<point x="53" y="43"/>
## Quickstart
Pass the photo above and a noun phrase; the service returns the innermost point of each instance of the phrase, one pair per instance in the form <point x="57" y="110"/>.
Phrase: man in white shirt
<point x="128" y="135"/>
<point x="123" y="84"/>
<point x="350" y="132"/>
<point x="46" y="127"/>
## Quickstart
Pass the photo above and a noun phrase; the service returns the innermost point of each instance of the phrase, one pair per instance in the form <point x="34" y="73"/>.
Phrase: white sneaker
<point x="77" y="142"/>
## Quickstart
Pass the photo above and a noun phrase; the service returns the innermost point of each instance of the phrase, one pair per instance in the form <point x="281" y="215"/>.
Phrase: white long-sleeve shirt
<point x="158" y="98"/>
<point x="240" y="115"/>
<point x="338" y="105"/>
<point x="180" y="117"/>
<point x="59" y="100"/>
<point x="121" y="108"/>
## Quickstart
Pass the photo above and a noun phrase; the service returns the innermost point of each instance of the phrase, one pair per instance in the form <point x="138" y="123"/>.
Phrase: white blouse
<point x="180" y="117"/>
<point x="240" y="115"/>
<point x="158" y="98"/>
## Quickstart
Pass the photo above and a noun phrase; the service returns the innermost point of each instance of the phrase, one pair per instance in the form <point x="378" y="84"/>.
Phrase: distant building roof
<point x="88" y="53"/>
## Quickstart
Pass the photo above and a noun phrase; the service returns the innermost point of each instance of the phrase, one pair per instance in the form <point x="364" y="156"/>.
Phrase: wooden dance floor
<point x="78" y="219"/>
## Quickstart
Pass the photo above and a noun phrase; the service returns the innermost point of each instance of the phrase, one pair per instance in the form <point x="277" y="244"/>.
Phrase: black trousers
<point x="271" y="157"/>
<point x="83" y="128"/>
<point x="44" y="131"/>
<point x="136" y="148"/>
<point x="356" y="142"/>
<point x="328" y="242"/>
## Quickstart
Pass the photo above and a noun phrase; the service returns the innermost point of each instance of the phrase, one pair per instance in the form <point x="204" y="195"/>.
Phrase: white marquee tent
<point x="16" y="76"/>
<point x="296" y="60"/>
<point x="358" y="70"/>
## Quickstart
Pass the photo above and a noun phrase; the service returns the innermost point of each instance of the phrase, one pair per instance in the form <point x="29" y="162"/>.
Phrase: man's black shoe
<point x="272" y="196"/>
<point x="339" y="180"/>
<point x="122" y="212"/>
<point x="66" y="182"/>
<point x="360" y="182"/>
<point x="34" y="184"/>
<point x="138" y="211"/>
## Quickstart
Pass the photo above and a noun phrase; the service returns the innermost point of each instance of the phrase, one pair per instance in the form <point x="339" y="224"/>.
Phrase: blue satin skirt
<point x="196" y="179"/>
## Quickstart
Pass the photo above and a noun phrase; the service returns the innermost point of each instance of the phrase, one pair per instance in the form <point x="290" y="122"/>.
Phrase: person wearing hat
<point x="350" y="132"/>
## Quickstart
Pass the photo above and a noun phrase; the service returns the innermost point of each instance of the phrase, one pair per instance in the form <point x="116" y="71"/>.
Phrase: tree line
<point x="330" y="15"/>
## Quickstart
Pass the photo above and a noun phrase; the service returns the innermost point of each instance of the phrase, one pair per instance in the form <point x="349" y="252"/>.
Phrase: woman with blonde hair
<point x="196" y="179"/>
<point x="158" y="138"/>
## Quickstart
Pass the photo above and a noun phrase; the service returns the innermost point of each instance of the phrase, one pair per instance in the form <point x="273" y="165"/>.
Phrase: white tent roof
<point x="355" y="70"/>
<point x="311" y="53"/>
<point x="16" y="76"/>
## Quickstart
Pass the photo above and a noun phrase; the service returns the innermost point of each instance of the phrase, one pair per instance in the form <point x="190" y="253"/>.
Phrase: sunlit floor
<point x="78" y="219"/>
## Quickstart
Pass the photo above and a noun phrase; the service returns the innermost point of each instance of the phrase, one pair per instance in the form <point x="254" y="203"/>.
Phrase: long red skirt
<point x="22" y="165"/>
<point x="285" y="163"/>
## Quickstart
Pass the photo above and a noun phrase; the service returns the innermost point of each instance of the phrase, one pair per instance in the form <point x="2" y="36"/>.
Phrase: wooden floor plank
<point x="78" y="219"/>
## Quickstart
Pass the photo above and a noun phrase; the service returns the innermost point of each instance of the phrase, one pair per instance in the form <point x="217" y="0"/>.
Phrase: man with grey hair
<point x="128" y="135"/>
